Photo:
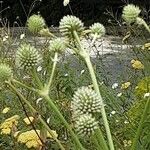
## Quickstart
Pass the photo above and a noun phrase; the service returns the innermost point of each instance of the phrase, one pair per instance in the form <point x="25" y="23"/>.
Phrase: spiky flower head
<point x="35" y="23"/>
<point x="58" y="45"/>
<point x="86" y="100"/>
<point x="86" y="125"/>
<point x="130" y="13"/>
<point x="69" y="24"/>
<point x="27" y="56"/>
<point x="97" y="29"/>
<point x="5" y="73"/>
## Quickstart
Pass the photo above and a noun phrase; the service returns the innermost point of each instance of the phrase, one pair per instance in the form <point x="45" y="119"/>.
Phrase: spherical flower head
<point x="27" y="57"/>
<point x="5" y="73"/>
<point x="86" y="100"/>
<point x="58" y="45"/>
<point x="86" y="125"/>
<point x="97" y="29"/>
<point x="130" y="13"/>
<point x="35" y="23"/>
<point x="69" y="24"/>
<point x="136" y="64"/>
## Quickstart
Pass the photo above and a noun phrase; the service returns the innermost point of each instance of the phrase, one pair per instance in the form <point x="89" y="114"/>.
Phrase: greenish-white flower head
<point x="58" y="45"/>
<point x="85" y="100"/>
<point x="69" y="24"/>
<point x="35" y="24"/>
<point x="130" y="13"/>
<point x="86" y="125"/>
<point x="97" y="29"/>
<point x="5" y="73"/>
<point x="27" y="56"/>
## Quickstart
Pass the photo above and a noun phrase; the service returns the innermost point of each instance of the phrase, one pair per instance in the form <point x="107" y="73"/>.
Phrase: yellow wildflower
<point x="146" y="46"/>
<point x="8" y="124"/>
<point x="6" y="131"/>
<point x="54" y="133"/>
<point x="125" y="85"/>
<point x="5" y="110"/>
<point x="31" y="139"/>
<point x="29" y="120"/>
<point x="136" y="64"/>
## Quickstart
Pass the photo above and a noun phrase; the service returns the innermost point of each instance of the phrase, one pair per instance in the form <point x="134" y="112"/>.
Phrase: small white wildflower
<point x="126" y="122"/>
<point x="22" y="36"/>
<point x="39" y="68"/>
<point x="82" y="71"/>
<point x="114" y="86"/>
<point x="38" y="100"/>
<point x="113" y="112"/>
<point x="117" y="121"/>
<point x="26" y="77"/>
<point x="146" y="95"/>
<point x="66" y="75"/>
<point x="4" y="39"/>
<point x="119" y="94"/>
<point x="66" y="2"/>
<point x="48" y="120"/>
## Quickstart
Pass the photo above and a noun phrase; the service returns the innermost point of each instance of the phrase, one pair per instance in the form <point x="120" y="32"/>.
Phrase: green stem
<point x="55" y="60"/>
<point x="35" y="75"/>
<point x="146" y="26"/>
<point x="104" y="116"/>
<point x="55" y="109"/>
<point x="34" y="111"/>
<point x="23" y="85"/>
<point x="86" y="56"/>
<point x="100" y="139"/>
<point x="139" y="130"/>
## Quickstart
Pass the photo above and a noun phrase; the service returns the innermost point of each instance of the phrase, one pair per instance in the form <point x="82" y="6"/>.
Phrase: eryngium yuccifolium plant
<point x="130" y="13"/>
<point x="85" y="100"/>
<point x="5" y="73"/>
<point x="27" y="56"/>
<point x="68" y="24"/>
<point x="97" y="29"/>
<point x="86" y="125"/>
<point x="35" y="23"/>
<point x="58" y="45"/>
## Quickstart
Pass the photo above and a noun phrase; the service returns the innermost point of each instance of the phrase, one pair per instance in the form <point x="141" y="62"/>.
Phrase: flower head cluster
<point x="125" y="85"/>
<point x="130" y="13"/>
<point x="86" y="100"/>
<point x="8" y="124"/>
<point x="5" y="73"/>
<point x="136" y="64"/>
<point x="57" y="45"/>
<point x="27" y="56"/>
<point x="35" y="23"/>
<point x="86" y="125"/>
<point x="31" y="138"/>
<point x="97" y="29"/>
<point x="66" y="2"/>
<point x="69" y="24"/>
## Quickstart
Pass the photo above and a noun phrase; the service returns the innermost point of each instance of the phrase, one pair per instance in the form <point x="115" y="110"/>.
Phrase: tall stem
<point x="139" y="130"/>
<point x="53" y="70"/>
<point x="34" y="111"/>
<point x="58" y="113"/>
<point x="100" y="139"/>
<point x="35" y="75"/>
<point x="104" y="116"/>
<point x="86" y="56"/>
